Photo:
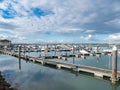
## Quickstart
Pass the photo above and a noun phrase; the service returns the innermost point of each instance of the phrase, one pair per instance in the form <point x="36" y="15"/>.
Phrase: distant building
<point x="4" y="44"/>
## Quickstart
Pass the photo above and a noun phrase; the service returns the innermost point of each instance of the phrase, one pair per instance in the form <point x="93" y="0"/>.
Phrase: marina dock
<point x="97" y="72"/>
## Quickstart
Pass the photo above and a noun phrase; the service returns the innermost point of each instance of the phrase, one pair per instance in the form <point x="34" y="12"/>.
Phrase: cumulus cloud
<point x="89" y="37"/>
<point x="2" y="36"/>
<point x="65" y="17"/>
<point x="113" y="37"/>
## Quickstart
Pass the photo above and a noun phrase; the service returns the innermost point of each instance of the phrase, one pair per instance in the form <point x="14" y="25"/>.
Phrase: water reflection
<point x="19" y="63"/>
<point x="114" y="87"/>
<point x="31" y="76"/>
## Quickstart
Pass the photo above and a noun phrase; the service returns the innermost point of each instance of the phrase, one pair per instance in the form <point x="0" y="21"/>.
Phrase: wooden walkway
<point x="99" y="72"/>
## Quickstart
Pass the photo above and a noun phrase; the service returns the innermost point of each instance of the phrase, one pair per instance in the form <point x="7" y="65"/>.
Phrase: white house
<point x="4" y="43"/>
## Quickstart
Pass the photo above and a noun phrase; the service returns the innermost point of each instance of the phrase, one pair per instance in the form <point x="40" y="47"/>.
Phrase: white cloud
<point x="69" y="16"/>
<point x="113" y="37"/>
<point x="87" y="38"/>
<point x="4" y="5"/>
<point x="65" y="15"/>
<point x="2" y="36"/>
<point x="89" y="31"/>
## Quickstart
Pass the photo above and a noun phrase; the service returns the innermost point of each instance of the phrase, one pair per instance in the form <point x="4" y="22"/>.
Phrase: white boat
<point x="119" y="51"/>
<point x="107" y="50"/>
<point x="84" y="51"/>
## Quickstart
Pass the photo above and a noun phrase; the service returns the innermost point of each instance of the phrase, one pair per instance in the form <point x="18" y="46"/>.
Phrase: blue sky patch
<point x="39" y="12"/>
<point x="8" y="13"/>
<point x="1" y="1"/>
<point x="6" y="32"/>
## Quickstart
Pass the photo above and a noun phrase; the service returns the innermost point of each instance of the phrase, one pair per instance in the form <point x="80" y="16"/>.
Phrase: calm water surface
<point x="37" y="77"/>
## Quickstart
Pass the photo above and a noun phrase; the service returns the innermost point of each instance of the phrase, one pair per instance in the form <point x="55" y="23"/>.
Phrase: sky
<point x="60" y="21"/>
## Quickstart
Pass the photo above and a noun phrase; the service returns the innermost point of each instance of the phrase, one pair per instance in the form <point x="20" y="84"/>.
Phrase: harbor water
<point x="31" y="76"/>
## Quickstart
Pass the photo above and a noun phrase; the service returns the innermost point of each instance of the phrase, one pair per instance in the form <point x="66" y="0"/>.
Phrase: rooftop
<point x="5" y="40"/>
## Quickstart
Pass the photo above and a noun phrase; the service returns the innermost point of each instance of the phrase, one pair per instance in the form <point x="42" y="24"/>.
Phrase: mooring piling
<point x="114" y="65"/>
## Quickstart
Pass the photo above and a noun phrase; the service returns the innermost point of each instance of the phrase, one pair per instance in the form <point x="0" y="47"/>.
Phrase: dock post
<point x="19" y="51"/>
<point x="24" y="49"/>
<point x="19" y="56"/>
<point x="114" y="65"/>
